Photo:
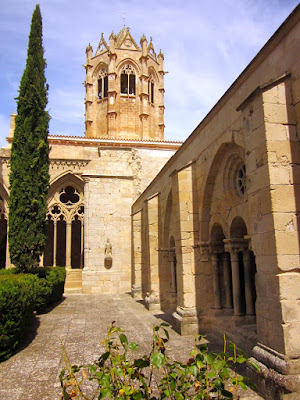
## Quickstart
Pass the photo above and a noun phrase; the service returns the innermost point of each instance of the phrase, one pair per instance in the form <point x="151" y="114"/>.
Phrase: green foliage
<point x="17" y="302"/>
<point x="154" y="376"/>
<point x="50" y="286"/>
<point x="29" y="176"/>
<point x="20" y="295"/>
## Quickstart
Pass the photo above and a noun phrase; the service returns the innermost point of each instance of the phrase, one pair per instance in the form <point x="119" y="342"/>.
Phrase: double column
<point x="234" y="247"/>
<point x="220" y="262"/>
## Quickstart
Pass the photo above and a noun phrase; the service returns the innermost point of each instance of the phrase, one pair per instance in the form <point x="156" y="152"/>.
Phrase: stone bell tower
<point x="124" y="89"/>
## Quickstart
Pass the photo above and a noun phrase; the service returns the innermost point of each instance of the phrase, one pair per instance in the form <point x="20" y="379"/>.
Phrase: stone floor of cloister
<point x="79" y="322"/>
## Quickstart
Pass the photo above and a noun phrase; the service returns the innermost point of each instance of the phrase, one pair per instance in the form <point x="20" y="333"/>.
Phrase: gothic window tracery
<point x="151" y="90"/>
<point x="128" y="80"/>
<point x="102" y="85"/>
<point x="240" y="180"/>
<point x="65" y="218"/>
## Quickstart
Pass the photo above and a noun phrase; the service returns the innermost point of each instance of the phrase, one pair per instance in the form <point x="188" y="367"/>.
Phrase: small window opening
<point x="151" y="91"/>
<point x="128" y="80"/>
<point x="102" y="85"/>
<point x="102" y="88"/>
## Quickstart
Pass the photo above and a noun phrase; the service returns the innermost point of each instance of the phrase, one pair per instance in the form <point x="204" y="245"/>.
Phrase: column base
<point x="152" y="302"/>
<point x="278" y="378"/>
<point x="189" y="321"/>
<point x="136" y="292"/>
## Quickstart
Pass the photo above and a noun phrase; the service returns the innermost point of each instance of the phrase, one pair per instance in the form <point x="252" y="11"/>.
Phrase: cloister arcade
<point x="65" y="225"/>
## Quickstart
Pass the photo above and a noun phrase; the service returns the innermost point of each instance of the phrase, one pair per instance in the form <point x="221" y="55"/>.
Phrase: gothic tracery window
<point x="65" y="218"/>
<point x="128" y="80"/>
<point x="151" y="90"/>
<point x="102" y="85"/>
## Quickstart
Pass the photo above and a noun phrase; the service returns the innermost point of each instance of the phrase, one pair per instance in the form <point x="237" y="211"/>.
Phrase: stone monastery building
<point x="206" y="232"/>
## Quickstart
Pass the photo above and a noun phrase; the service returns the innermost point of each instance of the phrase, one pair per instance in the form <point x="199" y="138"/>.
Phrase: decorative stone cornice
<point x="68" y="163"/>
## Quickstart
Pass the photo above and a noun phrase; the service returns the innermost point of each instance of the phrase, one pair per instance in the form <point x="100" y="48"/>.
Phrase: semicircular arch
<point x="214" y="169"/>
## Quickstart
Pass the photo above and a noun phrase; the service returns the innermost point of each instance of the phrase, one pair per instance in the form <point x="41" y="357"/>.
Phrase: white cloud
<point x="206" y="46"/>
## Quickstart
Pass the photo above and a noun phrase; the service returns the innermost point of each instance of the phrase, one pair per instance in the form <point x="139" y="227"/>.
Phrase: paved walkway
<point x="79" y="322"/>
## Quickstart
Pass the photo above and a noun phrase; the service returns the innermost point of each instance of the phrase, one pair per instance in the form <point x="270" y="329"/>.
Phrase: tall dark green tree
<point x="29" y="176"/>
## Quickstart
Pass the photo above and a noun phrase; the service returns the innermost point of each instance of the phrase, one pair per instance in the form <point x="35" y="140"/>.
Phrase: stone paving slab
<point x="79" y="323"/>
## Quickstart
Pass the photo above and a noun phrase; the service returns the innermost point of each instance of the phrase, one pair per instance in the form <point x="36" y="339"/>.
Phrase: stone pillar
<point x="249" y="290"/>
<point x="153" y="302"/>
<point x="136" y="289"/>
<point x="68" y="244"/>
<point x="227" y="280"/>
<point x="215" y="271"/>
<point x="82" y="245"/>
<point x="54" y="242"/>
<point x="185" y="319"/>
<point x="86" y="223"/>
<point x="234" y="246"/>
<point x="236" y="287"/>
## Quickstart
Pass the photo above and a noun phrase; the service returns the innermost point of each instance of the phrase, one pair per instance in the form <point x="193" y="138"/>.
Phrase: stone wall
<point x="234" y="186"/>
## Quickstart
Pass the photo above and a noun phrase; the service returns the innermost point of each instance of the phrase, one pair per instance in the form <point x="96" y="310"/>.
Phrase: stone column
<point x="215" y="270"/>
<point x="236" y="287"/>
<point x="68" y="244"/>
<point x="249" y="290"/>
<point x="86" y="223"/>
<point x="185" y="319"/>
<point x="54" y="242"/>
<point x="227" y="280"/>
<point x="234" y="246"/>
<point x="81" y="245"/>
<point x="152" y="207"/>
<point x="136" y="290"/>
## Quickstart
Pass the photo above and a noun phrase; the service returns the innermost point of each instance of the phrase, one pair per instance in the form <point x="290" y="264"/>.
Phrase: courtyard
<point x="79" y="324"/>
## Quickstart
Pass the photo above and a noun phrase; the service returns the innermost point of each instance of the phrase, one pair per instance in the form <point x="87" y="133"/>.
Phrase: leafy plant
<point x="117" y="375"/>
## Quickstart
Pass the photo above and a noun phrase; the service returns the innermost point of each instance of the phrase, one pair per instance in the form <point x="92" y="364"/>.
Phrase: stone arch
<point x="153" y="73"/>
<point x="217" y="234"/>
<point x="128" y="61"/>
<point x="243" y="268"/>
<point x="167" y="279"/>
<point x="65" y="218"/>
<point x="167" y="219"/>
<point x="238" y="228"/>
<point x="101" y="66"/>
<point x="205" y="212"/>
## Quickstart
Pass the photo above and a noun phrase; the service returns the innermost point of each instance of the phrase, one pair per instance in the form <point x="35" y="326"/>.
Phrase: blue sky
<point x="206" y="44"/>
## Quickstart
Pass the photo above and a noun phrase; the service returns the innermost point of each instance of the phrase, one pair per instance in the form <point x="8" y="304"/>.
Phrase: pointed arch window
<point x="151" y="90"/>
<point x="128" y="80"/>
<point x="103" y="85"/>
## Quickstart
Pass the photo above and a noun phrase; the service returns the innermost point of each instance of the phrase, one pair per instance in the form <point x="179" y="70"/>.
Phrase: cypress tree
<point x="29" y="175"/>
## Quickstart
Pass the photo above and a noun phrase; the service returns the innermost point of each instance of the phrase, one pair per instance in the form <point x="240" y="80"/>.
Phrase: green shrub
<point x="20" y="295"/>
<point x="50" y="286"/>
<point x="17" y="303"/>
<point x="8" y="271"/>
<point x="155" y="376"/>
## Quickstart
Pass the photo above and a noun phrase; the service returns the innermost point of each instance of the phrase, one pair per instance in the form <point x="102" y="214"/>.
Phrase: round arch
<point x="205" y="213"/>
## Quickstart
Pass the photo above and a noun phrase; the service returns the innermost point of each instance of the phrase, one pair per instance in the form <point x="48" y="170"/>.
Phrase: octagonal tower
<point x="124" y="89"/>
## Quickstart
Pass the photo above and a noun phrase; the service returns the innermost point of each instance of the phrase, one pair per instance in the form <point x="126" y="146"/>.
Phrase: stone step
<point x="73" y="279"/>
<point x="73" y="285"/>
<point x="72" y="291"/>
